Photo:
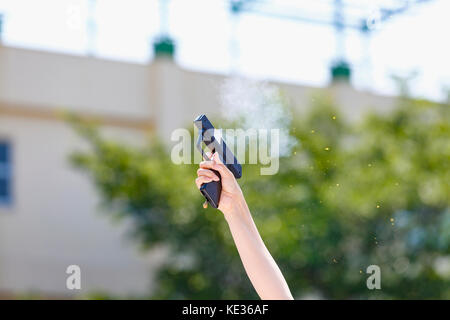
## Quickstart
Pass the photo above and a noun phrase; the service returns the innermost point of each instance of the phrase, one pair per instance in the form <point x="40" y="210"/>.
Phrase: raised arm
<point x="261" y="268"/>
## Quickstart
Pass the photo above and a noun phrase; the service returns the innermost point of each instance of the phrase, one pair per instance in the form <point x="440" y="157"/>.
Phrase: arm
<point x="261" y="268"/>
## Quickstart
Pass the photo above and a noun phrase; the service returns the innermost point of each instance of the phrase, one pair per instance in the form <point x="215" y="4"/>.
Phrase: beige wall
<point x="55" y="220"/>
<point x="181" y="95"/>
<point x="161" y="91"/>
<point x="46" y="79"/>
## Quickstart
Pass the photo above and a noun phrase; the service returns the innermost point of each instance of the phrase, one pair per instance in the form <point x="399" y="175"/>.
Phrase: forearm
<point x="261" y="268"/>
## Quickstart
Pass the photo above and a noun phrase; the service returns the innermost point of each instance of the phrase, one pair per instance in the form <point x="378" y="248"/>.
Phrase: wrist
<point x="238" y="211"/>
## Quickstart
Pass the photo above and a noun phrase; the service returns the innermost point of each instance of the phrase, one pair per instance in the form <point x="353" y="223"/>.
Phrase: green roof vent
<point x="164" y="46"/>
<point x="341" y="71"/>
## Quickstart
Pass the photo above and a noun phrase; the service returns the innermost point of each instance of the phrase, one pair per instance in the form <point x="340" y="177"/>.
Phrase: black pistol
<point x="212" y="190"/>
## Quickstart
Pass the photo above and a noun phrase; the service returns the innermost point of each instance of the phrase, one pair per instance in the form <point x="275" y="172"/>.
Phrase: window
<point x="5" y="173"/>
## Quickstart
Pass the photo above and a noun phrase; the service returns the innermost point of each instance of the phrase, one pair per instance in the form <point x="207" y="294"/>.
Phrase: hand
<point x="231" y="192"/>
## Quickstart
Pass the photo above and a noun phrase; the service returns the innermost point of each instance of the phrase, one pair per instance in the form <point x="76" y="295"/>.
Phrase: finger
<point x="201" y="180"/>
<point x="205" y="204"/>
<point x="208" y="173"/>
<point x="219" y="166"/>
<point x="206" y="164"/>
<point x="216" y="158"/>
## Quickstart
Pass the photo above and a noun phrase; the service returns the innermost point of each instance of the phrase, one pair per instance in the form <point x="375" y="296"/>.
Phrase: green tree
<point x="350" y="195"/>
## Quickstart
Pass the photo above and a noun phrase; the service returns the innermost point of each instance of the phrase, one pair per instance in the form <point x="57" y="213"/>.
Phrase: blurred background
<point x="91" y="91"/>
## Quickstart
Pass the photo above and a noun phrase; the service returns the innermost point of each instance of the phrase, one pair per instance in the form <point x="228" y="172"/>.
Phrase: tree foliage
<point x="350" y="195"/>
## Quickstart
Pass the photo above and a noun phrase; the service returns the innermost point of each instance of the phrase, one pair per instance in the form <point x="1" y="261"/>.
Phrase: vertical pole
<point x="1" y="26"/>
<point x="163" y="45"/>
<point x="339" y="27"/>
<point x="234" y="42"/>
<point x="340" y="69"/>
<point x="366" y="61"/>
<point x="91" y="28"/>
<point x="163" y="18"/>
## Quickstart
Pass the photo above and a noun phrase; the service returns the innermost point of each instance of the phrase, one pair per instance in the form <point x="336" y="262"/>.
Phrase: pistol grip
<point x="211" y="191"/>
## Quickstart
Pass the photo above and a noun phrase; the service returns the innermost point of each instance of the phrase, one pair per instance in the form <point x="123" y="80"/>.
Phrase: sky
<point x="210" y="39"/>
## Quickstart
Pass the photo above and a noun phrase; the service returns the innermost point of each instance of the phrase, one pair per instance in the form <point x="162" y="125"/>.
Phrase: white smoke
<point x="259" y="105"/>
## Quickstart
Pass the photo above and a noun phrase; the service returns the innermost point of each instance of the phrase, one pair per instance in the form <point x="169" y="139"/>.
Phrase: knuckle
<point x="205" y="163"/>
<point x="220" y="167"/>
<point x="204" y="172"/>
